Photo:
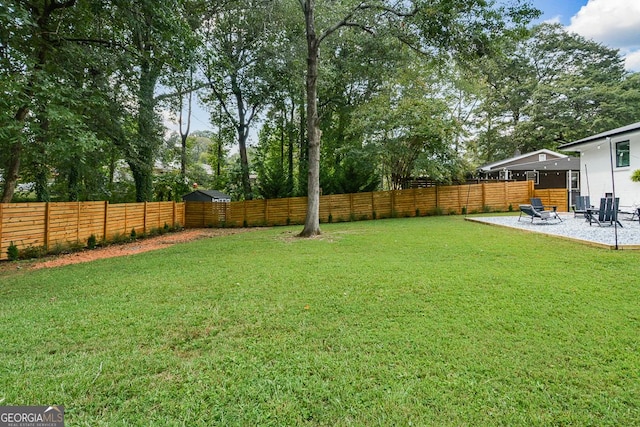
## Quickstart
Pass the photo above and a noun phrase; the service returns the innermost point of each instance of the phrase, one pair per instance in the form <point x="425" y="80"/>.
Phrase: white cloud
<point x="554" y="20"/>
<point x="632" y="61"/>
<point x="614" y="23"/>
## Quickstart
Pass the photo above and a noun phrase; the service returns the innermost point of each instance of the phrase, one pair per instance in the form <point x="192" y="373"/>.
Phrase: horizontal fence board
<point x="65" y="223"/>
<point x="76" y="221"/>
<point x="360" y="206"/>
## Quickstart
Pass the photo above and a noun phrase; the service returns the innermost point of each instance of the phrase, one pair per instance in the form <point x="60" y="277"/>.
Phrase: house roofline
<point x="614" y="132"/>
<point x="491" y="166"/>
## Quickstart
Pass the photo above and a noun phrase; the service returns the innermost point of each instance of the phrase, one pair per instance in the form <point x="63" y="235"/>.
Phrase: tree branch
<point x="346" y="21"/>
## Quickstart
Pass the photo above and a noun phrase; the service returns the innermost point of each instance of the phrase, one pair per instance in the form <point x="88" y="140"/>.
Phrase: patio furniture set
<point x="605" y="214"/>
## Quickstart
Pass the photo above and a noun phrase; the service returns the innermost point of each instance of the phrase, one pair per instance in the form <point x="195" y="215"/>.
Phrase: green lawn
<point x="417" y="321"/>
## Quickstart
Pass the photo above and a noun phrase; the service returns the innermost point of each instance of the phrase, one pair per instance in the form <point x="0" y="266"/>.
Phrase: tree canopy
<point x="304" y="98"/>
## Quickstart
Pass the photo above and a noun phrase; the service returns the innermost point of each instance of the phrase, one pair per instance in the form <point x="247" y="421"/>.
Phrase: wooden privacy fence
<point x="553" y="197"/>
<point x="359" y="206"/>
<point x="50" y="224"/>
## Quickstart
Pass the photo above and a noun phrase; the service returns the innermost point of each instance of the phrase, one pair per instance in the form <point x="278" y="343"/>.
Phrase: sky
<point x="614" y="23"/>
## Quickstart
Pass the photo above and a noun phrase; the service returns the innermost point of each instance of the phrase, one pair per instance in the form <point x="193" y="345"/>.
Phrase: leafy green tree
<point x="460" y="29"/>
<point x="548" y="88"/>
<point x="238" y="50"/>
<point x="31" y="42"/>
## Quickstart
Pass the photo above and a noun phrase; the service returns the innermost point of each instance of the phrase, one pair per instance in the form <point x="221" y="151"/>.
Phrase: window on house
<point x="542" y="157"/>
<point x="533" y="176"/>
<point x="622" y="154"/>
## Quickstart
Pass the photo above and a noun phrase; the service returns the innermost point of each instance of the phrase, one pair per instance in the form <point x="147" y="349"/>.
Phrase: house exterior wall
<point x="595" y="172"/>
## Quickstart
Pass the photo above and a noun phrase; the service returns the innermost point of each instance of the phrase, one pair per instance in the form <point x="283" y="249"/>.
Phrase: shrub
<point x="31" y="252"/>
<point x="133" y="234"/>
<point x="12" y="252"/>
<point x="330" y="218"/>
<point x="464" y="210"/>
<point x="417" y="212"/>
<point x="92" y="242"/>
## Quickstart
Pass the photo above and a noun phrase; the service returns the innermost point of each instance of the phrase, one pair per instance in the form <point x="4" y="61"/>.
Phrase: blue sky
<point x="614" y="23"/>
<point x="559" y="10"/>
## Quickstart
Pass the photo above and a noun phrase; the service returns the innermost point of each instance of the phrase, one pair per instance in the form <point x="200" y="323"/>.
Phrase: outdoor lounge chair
<point x="534" y="213"/>
<point x="608" y="212"/>
<point x="582" y="204"/>
<point x="537" y="204"/>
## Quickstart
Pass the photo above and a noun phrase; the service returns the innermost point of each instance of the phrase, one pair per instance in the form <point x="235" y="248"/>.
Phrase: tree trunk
<point x="142" y="156"/>
<point x="243" y="134"/>
<point x="13" y="166"/>
<point x="11" y="172"/>
<point x="312" y="221"/>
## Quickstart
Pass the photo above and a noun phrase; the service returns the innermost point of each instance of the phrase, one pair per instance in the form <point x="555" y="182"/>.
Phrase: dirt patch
<point x="116" y="250"/>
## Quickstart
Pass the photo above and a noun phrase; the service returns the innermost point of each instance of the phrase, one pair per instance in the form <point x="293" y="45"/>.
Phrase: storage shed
<point x="206" y="196"/>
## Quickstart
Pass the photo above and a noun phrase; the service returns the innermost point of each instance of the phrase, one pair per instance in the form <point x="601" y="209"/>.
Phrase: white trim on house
<point x="534" y="155"/>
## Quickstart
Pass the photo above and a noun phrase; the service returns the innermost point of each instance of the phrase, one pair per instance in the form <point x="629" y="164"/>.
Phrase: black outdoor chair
<point x="537" y="204"/>
<point x="582" y="204"/>
<point x="608" y="213"/>
<point x="534" y="213"/>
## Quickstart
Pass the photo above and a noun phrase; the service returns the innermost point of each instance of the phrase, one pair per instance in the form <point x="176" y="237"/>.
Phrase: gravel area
<point x="574" y="228"/>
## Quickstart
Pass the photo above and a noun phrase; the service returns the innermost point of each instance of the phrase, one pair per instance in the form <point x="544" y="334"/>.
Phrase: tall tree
<point x="28" y="43"/>
<point x="546" y="89"/>
<point x="237" y="51"/>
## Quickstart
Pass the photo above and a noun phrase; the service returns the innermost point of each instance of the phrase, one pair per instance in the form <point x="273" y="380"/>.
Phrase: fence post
<point x="415" y="202"/>
<point x="1" y="221"/>
<point x="373" y="205"/>
<point x="144" y="219"/>
<point x="173" y="218"/>
<point x="78" y="222"/>
<point x="484" y="196"/>
<point x="351" y="212"/>
<point x="46" y="225"/>
<point x="106" y="220"/>
<point x="393" y="203"/>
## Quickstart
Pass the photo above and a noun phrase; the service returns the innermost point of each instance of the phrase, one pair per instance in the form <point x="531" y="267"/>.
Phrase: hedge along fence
<point x="46" y="225"/>
<point x="361" y="206"/>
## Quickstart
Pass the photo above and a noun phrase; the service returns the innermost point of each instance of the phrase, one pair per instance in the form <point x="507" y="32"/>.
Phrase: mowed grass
<point x="418" y="321"/>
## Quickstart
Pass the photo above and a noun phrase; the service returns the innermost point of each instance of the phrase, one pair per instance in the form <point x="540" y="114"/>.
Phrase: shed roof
<point x="214" y="194"/>
<point x="614" y="132"/>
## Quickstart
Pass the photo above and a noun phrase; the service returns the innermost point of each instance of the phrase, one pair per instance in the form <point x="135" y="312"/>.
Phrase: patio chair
<point x="608" y="213"/>
<point x="534" y="213"/>
<point x="537" y="204"/>
<point x="582" y="204"/>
